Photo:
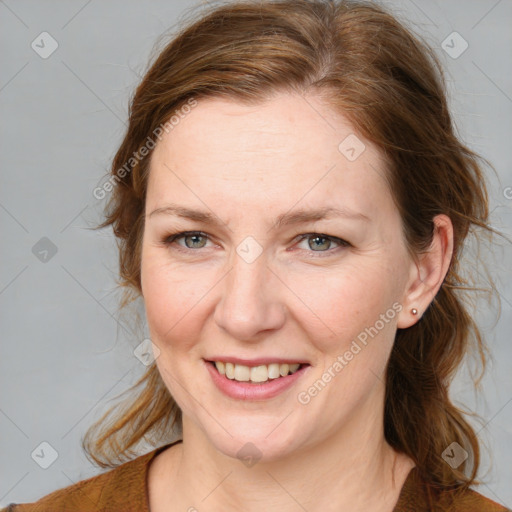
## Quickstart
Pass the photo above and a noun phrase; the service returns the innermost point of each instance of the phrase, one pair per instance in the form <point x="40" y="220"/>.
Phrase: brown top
<point x="124" y="489"/>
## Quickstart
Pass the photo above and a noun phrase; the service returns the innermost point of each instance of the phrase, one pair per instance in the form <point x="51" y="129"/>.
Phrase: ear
<point x="427" y="273"/>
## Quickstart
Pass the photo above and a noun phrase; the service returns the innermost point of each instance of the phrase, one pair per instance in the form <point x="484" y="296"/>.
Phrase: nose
<point x="251" y="300"/>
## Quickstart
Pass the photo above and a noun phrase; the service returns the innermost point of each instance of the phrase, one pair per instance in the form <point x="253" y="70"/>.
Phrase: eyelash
<point x="170" y="239"/>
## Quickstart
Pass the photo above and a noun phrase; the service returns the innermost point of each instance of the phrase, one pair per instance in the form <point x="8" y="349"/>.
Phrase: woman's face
<point x="248" y="285"/>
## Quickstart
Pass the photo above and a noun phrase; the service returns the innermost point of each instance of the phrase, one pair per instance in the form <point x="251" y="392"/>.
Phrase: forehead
<point x="224" y="124"/>
<point x="287" y="149"/>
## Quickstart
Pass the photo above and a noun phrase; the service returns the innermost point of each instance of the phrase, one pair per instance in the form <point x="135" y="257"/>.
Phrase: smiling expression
<point x="294" y="251"/>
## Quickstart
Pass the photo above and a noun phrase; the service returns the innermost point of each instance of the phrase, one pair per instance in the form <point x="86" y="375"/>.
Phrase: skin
<point x="247" y="165"/>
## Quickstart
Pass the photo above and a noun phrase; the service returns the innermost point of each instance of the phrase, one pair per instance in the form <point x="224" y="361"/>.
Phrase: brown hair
<point x="390" y="86"/>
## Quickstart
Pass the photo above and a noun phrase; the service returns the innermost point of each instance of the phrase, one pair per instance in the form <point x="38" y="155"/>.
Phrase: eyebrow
<point x="285" y="219"/>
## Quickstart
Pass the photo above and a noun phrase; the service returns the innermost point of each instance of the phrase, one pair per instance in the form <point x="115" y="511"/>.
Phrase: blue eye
<point x="317" y="242"/>
<point x="322" y="242"/>
<point x="196" y="239"/>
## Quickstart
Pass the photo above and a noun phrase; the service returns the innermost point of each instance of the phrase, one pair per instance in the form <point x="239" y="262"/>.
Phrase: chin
<point x="255" y="440"/>
<point x="258" y="450"/>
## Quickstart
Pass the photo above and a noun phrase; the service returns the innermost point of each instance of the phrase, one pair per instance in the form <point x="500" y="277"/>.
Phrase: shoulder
<point x="470" y="500"/>
<point x="417" y="496"/>
<point x="121" y="488"/>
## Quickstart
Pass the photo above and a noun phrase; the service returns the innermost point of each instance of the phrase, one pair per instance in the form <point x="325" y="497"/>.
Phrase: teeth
<point x="273" y="371"/>
<point x="230" y="370"/>
<point x="260" y="373"/>
<point x="242" y="373"/>
<point x="221" y="367"/>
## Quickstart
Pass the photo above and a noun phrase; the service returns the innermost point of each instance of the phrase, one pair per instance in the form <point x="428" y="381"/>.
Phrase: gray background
<point x="65" y="350"/>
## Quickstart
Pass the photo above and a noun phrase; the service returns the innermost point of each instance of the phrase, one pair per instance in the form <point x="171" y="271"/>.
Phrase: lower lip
<point x="256" y="391"/>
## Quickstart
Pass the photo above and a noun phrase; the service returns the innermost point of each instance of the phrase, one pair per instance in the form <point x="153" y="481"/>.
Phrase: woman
<point x="291" y="203"/>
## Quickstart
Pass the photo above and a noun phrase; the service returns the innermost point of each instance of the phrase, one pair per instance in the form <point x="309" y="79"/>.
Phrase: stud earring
<point x="414" y="311"/>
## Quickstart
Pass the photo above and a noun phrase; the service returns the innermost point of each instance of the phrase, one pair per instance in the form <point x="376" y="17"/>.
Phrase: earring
<point x="414" y="311"/>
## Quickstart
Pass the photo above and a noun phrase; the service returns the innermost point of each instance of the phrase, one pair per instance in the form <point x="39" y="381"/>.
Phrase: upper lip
<point x="256" y="361"/>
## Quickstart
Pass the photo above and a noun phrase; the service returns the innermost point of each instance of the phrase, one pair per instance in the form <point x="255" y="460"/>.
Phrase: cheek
<point x="337" y="306"/>
<point x="174" y="299"/>
<point x="331" y="306"/>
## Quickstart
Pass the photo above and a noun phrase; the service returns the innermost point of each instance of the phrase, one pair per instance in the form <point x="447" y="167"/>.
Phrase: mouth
<point x="256" y="374"/>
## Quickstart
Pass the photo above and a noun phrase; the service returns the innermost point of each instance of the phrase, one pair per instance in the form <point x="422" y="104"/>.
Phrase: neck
<point x="353" y="469"/>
